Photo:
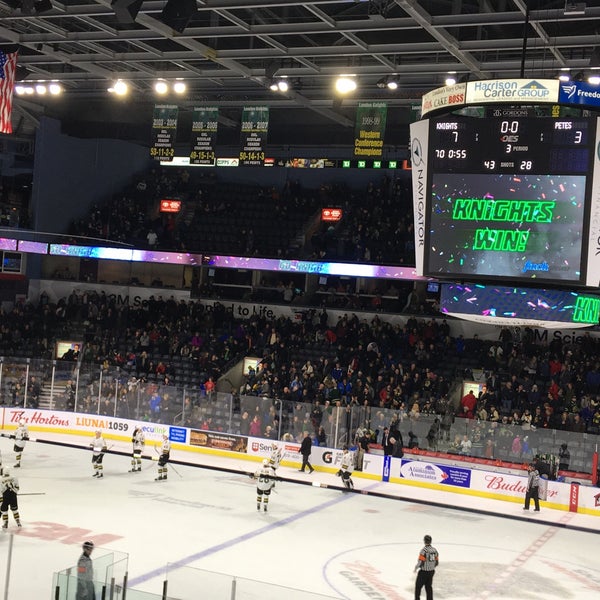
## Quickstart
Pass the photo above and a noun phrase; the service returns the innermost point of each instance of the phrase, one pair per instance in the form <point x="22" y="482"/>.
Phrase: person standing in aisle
<point x="138" y="439"/>
<point x="85" y="574"/>
<point x="21" y="437"/>
<point x="98" y="447"/>
<point x="163" y="459"/>
<point x="265" y="477"/>
<point x="9" y="486"/>
<point x="533" y="488"/>
<point x="346" y="469"/>
<point x="426" y="565"/>
<point x="305" y="450"/>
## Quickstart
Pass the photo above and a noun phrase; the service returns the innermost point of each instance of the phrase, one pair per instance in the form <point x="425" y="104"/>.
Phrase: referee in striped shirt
<point x="428" y="561"/>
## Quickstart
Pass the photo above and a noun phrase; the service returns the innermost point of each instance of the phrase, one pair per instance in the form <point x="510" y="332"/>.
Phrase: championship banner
<point x="164" y="132"/>
<point x="255" y="124"/>
<point x="204" y="133"/>
<point x="370" y="129"/>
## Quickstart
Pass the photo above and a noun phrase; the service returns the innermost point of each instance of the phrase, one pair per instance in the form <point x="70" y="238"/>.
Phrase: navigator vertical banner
<point x="592" y="274"/>
<point x="370" y="129"/>
<point x="204" y="135"/>
<point x="164" y="132"/>
<point x="255" y="125"/>
<point x="419" y="143"/>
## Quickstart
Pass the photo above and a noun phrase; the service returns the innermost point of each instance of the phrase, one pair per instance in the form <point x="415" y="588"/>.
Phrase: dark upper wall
<point x="70" y="174"/>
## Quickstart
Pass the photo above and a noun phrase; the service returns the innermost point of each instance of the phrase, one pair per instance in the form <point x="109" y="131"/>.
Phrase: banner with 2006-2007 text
<point x="370" y="129"/>
<point x="164" y="132"/>
<point x="204" y="134"/>
<point x="255" y="125"/>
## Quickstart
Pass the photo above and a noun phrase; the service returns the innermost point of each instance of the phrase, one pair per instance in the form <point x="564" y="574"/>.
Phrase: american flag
<point x="8" y="65"/>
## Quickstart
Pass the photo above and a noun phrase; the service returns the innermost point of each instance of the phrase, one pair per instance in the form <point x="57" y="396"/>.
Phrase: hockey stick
<point x="11" y="436"/>
<point x="169" y="463"/>
<point x="32" y="494"/>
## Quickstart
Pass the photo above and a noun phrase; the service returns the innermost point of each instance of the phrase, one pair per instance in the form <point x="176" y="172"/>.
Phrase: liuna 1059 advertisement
<point x="512" y="226"/>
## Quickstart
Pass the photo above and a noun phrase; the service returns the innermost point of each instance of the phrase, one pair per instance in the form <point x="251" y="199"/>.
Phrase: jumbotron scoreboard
<point x="507" y="197"/>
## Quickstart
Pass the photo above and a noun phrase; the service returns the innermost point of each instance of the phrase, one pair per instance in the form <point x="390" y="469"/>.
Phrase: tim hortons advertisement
<point x="218" y="441"/>
<point x="52" y="421"/>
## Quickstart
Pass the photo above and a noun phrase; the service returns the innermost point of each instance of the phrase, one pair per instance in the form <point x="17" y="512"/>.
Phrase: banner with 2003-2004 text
<point x="204" y="133"/>
<point x="255" y="125"/>
<point x="164" y="132"/>
<point x="370" y="129"/>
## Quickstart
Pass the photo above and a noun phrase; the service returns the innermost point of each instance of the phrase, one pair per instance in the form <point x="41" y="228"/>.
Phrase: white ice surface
<point x="313" y="538"/>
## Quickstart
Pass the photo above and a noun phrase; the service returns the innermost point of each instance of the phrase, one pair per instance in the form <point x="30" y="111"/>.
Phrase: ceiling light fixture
<point x="283" y="85"/>
<point x="119" y="88"/>
<point x="161" y="87"/>
<point x="179" y="87"/>
<point x="55" y="89"/>
<point x="345" y="84"/>
<point x="450" y="80"/>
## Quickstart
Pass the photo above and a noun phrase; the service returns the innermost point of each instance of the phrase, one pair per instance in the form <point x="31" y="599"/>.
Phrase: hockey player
<point x="21" y="437"/>
<point x="265" y="482"/>
<point x="163" y="459"/>
<point x="9" y="486"/>
<point x="275" y="458"/>
<point x="346" y="469"/>
<point x="139" y="441"/>
<point x="98" y="447"/>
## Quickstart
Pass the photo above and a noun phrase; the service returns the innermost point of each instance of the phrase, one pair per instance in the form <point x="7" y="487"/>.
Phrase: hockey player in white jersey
<point x="98" y="447"/>
<point x="163" y="459"/>
<point x="275" y="457"/>
<point x="265" y="482"/>
<point x="138" y="439"/>
<point x="21" y="437"/>
<point x="9" y="486"/>
<point x="346" y="469"/>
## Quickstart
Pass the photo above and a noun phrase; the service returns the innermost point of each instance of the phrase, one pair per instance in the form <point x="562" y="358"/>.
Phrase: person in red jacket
<point x="468" y="404"/>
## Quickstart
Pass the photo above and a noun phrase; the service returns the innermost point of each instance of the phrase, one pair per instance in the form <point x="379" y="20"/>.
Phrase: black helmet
<point x="427" y="539"/>
<point x="88" y="545"/>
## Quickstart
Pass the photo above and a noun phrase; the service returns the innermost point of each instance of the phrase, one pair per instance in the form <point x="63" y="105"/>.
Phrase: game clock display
<point x="507" y="197"/>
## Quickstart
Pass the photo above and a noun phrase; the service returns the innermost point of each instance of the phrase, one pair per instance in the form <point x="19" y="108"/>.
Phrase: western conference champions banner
<point x="255" y="125"/>
<point x="204" y="134"/>
<point x="370" y="129"/>
<point x="164" y="131"/>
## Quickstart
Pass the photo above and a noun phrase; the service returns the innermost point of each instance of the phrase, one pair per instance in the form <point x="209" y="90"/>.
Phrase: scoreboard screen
<point x="505" y="197"/>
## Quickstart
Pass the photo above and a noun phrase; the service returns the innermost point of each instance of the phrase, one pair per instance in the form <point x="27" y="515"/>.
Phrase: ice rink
<point x="340" y="545"/>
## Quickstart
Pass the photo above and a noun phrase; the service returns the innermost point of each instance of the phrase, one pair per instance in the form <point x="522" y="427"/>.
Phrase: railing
<point x="183" y="583"/>
<point x="109" y="581"/>
<point x="114" y="392"/>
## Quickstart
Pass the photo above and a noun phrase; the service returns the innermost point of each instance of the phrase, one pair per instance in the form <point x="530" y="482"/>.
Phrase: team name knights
<point x="513" y="211"/>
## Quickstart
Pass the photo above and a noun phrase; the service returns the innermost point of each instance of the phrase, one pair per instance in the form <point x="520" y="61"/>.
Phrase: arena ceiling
<point x="228" y="51"/>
